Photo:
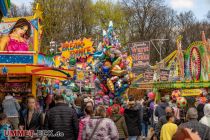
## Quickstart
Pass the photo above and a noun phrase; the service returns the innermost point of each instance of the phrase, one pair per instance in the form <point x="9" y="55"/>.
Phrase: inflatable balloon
<point x="106" y="99"/>
<point x="99" y="55"/>
<point x="108" y="64"/>
<point x="56" y="86"/>
<point x="116" y="67"/>
<point x="111" y="95"/>
<point x="98" y="101"/>
<point x="105" y="70"/>
<point x="175" y="94"/>
<point x="117" y="61"/>
<point x="121" y="90"/>
<point x="202" y="100"/>
<point x="110" y="85"/>
<point x="100" y="93"/>
<point x="181" y="102"/>
<point x="151" y="95"/>
<point x="103" y="88"/>
<point x="110" y="102"/>
<point x="57" y="82"/>
<point x="114" y="78"/>
<point x="118" y="72"/>
<point x="72" y="61"/>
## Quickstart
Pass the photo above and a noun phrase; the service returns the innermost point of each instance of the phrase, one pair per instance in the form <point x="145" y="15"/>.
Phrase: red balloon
<point x="151" y="95"/>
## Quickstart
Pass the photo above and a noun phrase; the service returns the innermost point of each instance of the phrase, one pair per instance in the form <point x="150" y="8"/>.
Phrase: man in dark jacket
<point x="203" y="130"/>
<point x="63" y="119"/>
<point x="133" y="119"/>
<point x="160" y="110"/>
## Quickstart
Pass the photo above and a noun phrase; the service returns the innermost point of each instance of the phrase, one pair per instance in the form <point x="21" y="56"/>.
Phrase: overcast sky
<point x="199" y="7"/>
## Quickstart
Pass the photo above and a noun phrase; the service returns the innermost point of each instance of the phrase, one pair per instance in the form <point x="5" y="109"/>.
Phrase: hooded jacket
<point x="119" y="121"/>
<point x="133" y="120"/>
<point x="11" y="106"/>
<point x="160" y="110"/>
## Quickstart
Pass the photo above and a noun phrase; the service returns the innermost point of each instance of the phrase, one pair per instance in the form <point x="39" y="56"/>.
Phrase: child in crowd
<point x="4" y="126"/>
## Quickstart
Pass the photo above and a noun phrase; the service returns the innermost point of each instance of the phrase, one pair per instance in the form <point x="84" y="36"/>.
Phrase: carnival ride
<point x="189" y="70"/>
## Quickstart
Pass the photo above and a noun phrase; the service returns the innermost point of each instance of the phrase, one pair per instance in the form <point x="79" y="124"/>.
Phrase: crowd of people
<point x="82" y="119"/>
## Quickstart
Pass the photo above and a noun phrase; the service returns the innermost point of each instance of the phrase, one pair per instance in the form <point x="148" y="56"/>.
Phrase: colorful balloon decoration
<point x="175" y="94"/>
<point x="151" y="95"/>
<point x="111" y="66"/>
<point x="181" y="102"/>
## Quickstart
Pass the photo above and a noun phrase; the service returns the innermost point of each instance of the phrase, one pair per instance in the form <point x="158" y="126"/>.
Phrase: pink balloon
<point x="151" y="95"/>
<point x="57" y="81"/>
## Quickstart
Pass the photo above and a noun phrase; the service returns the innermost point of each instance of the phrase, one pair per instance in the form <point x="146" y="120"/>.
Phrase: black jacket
<point x="160" y="110"/>
<point x="132" y="119"/>
<point x="64" y="119"/>
<point x="35" y="123"/>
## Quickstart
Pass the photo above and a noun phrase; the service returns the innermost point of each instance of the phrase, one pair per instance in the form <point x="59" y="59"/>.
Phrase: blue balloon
<point x="99" y="55"/>
<point x="56" y="86"/>
<point x="105" y="70"/>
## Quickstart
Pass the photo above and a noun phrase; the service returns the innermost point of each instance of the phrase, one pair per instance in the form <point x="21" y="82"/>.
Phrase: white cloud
<point x="182" y="3"/>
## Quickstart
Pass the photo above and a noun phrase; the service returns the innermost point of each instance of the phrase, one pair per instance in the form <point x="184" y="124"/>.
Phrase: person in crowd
<point x="185" y="134"/>
<point x="116" y="102"/>
<point x="119" y="121"/>
<point x="208" y="99"/>
<point x="154" y="117"/>
<point x="11" y="108"/>
<point x="145" y="120"/>
<point x="206" y="118"/>
<point x="161" y="122"/>
<point x="168" y="129"/>
<point x="192" y="116"/>
<point x="23" y="104"/>
<point x="99" y="127"/>
<point x="4" y="126"/>
<point x="200" y="108"/>
<point x="62" y="118"/>
<point x="78" y="105"/>
<point x="133" y="119"/>
<point x="151" y="134"/>
<point x="88" y="113"/>
<point x="31" y="118"/>
<point x="160" y="110"/>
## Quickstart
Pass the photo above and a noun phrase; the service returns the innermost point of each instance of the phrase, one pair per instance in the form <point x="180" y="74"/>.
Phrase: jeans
<point x="144" y="128"/>
<point x="132" y="138"/>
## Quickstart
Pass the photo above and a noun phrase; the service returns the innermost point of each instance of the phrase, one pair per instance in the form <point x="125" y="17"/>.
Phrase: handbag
<point x="94" y="130"/>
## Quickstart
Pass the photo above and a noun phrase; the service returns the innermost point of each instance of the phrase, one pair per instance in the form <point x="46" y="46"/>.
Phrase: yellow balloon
<point x="118" y="72"/>
<point x="117" y="61"/>
<point x="110" y="85"/>
<point x="116" y="67"/>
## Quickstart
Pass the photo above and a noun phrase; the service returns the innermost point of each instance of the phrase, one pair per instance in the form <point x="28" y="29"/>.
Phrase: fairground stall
<point x="184" y="72"/>
<point x="22" y="69"/>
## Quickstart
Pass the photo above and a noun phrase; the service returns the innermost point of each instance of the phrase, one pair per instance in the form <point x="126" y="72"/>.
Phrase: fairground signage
<point x="140" y="52"/>
<point x="77" y="48"/>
